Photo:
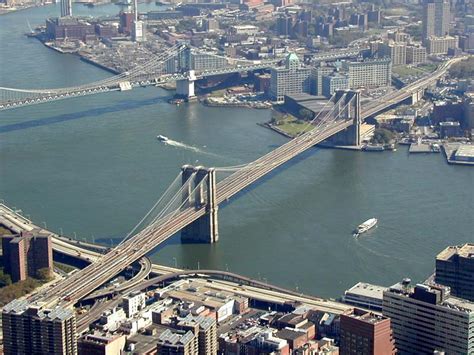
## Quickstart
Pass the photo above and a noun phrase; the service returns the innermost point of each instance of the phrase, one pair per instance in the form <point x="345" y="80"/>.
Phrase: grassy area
<point x="428" y="67"/>
<point x="66" y="268"/>
<point x="404" y="71"/>
<point x="290" y="124"/>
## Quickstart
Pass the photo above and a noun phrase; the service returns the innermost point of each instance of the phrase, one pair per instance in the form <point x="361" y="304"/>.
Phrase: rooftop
<point x="466" y="150"/>
<point x="464" y="251"/>
<point x="366" y="317"/>
<point x="367" y="290"/>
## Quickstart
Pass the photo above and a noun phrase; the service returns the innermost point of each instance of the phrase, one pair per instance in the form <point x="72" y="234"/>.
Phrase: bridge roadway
<point x="85" y="281"/>
<point x="376" y="106"/>
<point x="80" y="284"/>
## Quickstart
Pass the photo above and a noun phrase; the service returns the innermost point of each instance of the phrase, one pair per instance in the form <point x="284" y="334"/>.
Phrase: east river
<point x="93" y="166"/>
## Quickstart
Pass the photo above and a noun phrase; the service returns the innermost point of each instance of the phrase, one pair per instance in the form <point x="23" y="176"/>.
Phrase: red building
<point x="366" y="333"/>
<point x="126" y="22"/>
<point x="24" y="255"/>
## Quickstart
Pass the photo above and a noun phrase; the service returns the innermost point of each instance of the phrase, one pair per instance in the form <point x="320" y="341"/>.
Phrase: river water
<point x="92" y="166"/>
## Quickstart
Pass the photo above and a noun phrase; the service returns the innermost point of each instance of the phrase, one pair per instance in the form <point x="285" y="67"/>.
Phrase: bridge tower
<point x="204" y="229"/>
<point x="185" y="87"/>
<point x="351" y="135"/>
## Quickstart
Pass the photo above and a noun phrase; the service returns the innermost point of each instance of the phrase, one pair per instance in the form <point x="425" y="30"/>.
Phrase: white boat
<point x="364" y="227"/>
<point x="162" y="138"/>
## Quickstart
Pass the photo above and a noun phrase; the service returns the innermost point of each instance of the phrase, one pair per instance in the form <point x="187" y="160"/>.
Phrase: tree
<point x="305" y="114"/>
<point x="44" y="274"/>
<point x="382" y="136"/>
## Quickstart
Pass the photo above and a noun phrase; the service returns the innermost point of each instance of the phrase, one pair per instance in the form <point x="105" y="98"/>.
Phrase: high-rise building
<point x="396" y="51"/>
<point x="317" y="74"/>
<point x="426" y="318"/>
<point x="26" y="254"/>
<point x="334" y="82"/>
<point x="284" y="26"/>
<point x="455" y="268"/>
<point x="416" y="54"/>
<point x="366" y="333"/>
<point x="66" y="8"/>
<point x="28" y="329"/>
<point x="177" y="343"/>
<point x="293" y="79"/>
<point x="205" y="328"/>
<point x="440" y="45"/>
<point x="369" y="73"/>
<point x="435" y="18"/>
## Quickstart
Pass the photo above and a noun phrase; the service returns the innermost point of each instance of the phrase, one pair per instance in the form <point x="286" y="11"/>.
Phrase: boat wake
<point x="192" y="148"/>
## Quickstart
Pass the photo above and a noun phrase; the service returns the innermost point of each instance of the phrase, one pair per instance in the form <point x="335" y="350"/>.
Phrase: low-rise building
<point x="365" y="295"/>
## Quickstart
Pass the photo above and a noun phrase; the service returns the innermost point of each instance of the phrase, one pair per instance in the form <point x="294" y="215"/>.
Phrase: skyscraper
<point x="66" y="8"/>
<point x="436" y="18"/>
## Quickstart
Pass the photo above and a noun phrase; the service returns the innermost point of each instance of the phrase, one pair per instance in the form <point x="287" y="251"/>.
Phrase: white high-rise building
<point x="293" y="79"/>
<point x="66" y="8"/>
<point x="369" y="73"/>
<point x="436" y="17"/>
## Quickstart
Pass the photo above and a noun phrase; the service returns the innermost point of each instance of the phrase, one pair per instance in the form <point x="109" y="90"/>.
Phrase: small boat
<point x="162" y="138"/>
<point x="364" y="227"/>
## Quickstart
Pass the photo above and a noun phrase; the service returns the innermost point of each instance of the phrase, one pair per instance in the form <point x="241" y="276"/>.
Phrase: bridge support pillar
<point x="417" y="96"/>
<point x="185" y="87"/>
<point x="204" y="229"/>
<point x="351" y="135"/>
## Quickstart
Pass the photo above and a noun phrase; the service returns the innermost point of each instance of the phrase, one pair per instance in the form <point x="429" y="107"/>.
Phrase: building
<point x="334" y="82"/>
<point x="396" y="51"/>
<point x="96" y="344"/>
<point x="164" y="15"/>
<point x="426" y="318"/>
<point x="416" y="54"/>
<point x="205" y="328"/>
<point x="440" y="45"/>
<point x="244" y="30"/>
<point x="450" y="129"/>
<point x="138" y="31"/>
<point x="27" y="329"/>
<point x="369" y="73"/>
<point x="366" y="333"/>
<point x="465" y="153"/>
<point x="317" y="74"/>
<point x="284" y="25"/>
<point x="177" y="343"/>
<point x="435" y="18"/>
<point x="210" y="24"/>
<point x="26" y="254"/>
<point x="455" y="268"/>
<point x="126" y="22"/>
<point x="66" y="8"/>
<point x="365" y="295"/>
<point x="292" y="79"/>
<point x="133" y="303"/>
<point x="69" y="28"/>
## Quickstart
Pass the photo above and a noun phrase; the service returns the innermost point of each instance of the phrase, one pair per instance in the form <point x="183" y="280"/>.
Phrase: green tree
<point x="382" y="136"/>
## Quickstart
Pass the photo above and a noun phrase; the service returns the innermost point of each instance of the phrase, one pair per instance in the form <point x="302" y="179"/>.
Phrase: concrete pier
<point x="204" y="229"/>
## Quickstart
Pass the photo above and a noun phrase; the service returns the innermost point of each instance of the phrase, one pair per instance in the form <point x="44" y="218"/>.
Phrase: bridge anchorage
<point x="200" y="191"/>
